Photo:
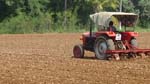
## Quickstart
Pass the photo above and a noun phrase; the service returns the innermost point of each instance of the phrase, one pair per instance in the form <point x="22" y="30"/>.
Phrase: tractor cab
<point x="122" y="22"/>
<point x="112" y="34"/>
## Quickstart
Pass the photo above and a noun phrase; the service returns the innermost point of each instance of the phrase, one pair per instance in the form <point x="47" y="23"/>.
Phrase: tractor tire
<point x="110" y="44"/>
<point x="78" y="51"/>
<point x="134" y="43"/>
<point x="101" y="45"/>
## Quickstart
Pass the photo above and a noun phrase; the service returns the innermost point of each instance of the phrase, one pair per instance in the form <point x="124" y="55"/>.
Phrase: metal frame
<point x="131" y="49"/>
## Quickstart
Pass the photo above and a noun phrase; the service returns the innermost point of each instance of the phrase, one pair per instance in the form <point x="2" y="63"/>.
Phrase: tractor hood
<point x="103" y="18"/>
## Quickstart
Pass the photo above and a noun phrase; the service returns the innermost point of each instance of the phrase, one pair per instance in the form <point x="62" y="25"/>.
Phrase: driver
<point x="111" y="27"/>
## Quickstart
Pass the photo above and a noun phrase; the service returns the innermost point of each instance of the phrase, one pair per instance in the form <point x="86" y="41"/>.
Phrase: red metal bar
<point x="128" y="51"/>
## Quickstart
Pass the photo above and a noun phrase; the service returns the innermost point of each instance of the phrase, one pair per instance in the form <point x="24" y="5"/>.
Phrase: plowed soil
<point x="48" y="59"/>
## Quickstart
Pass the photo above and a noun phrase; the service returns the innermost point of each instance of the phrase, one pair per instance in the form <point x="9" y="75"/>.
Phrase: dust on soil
<point x="47" y="59"/>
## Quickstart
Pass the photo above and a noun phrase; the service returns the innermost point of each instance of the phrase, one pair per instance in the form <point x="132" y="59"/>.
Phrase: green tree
<point x="144" y="7"/>
<point x="128" y="6"/>
<point x="100" y="5"/>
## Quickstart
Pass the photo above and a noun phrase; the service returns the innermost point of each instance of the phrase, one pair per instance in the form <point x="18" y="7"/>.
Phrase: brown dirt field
<point x="47" y="59"/>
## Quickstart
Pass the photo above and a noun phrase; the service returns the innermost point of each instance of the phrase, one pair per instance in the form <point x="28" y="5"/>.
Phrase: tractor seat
<point x="87" y="34"/>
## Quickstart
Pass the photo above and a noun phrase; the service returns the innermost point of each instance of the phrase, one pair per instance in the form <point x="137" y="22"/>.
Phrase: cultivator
<point x="117" y="54"/>
<point x="135" y="51"/>
<point x="130" y="51"/>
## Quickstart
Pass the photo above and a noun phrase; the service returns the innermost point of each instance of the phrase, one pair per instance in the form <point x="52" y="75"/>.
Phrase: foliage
<point x="128" y="6"/>
<point x="39" y="16"/>
<point x="144" y="7"/>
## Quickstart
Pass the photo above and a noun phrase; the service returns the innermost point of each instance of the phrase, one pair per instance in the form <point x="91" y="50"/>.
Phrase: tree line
<point x="40" y="16"/>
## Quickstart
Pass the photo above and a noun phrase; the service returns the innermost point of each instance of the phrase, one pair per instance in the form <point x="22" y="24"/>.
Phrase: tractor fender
<point x="129" y="35"/>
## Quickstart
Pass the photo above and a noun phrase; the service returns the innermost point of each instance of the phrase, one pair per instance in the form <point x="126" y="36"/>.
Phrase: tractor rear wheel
<point x="110" y="44"/>
<point x="103" y="44"/>
<point x="78" y="51"/>
<point x="134" y="43"/>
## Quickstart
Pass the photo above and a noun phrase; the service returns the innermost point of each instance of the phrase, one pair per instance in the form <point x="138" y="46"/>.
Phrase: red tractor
<point x="108" y="42"/>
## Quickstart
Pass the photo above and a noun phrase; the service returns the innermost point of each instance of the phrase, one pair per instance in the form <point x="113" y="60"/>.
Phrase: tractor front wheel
<point x="78" y="51"/>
